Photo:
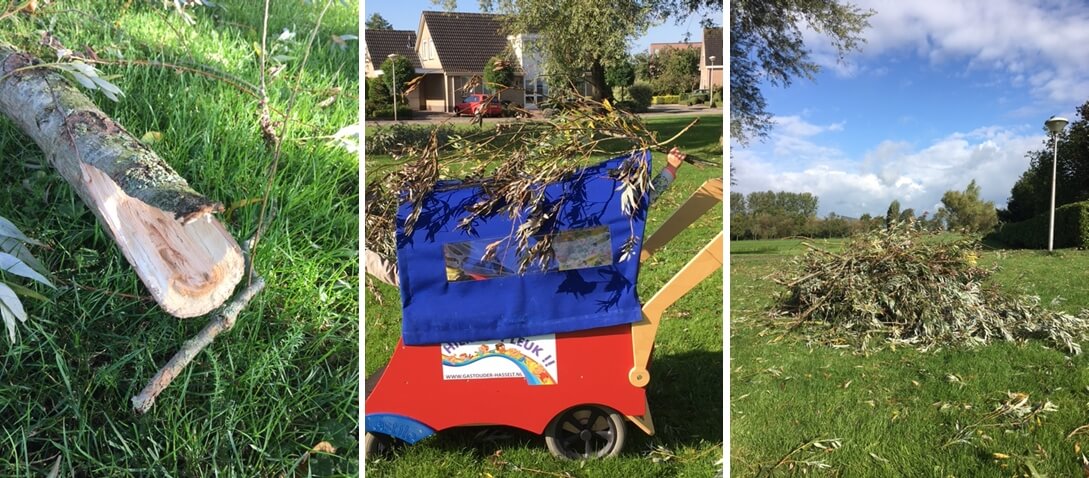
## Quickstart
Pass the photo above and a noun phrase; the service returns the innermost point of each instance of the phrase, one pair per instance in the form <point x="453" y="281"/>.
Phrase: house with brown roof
<point x="449" y="49"/>
<point x="711" y="58"/>
<point x="453" y="48"/>
<point x="378" y="45"/>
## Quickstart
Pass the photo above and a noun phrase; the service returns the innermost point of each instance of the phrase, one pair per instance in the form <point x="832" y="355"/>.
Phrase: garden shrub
<point x="641" y="94"/>
<point x="912" y="288"/>
<point x="1071" y="229"/>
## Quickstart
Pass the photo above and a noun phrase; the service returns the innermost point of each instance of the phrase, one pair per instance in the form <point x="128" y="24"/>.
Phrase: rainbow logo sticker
<point x="532" y="358"/>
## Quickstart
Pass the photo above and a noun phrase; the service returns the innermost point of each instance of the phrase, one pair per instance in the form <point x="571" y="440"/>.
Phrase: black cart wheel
<point x="586" y="431"/>
<point x="375" y="445"/>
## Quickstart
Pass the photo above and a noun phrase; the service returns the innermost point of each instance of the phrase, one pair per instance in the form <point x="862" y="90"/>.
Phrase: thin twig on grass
<point x="222" y="322"/>
<point x="824" y="445"/>
<point x="1078" y="430"/>
<point x="284" y="131"/>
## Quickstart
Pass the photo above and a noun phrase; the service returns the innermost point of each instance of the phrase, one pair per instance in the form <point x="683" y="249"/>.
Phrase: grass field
<point x="685" y="394"/>
<point x="286" y="377"/>
<point x="896" y="412"/>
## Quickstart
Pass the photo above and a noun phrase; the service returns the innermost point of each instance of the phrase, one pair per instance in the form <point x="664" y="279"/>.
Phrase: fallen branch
<point x="223" y="322"/>
<point x="165" y="229"/>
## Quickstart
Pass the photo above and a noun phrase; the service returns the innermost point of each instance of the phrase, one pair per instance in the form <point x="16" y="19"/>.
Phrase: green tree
<point x="1031" y="195"/>
<point x="621" y="74"/>
<point x="739" y="216"/>
<point x="499" y="72"/>
<point x="677" y="70"/>
<point x="642" y="66"/>
<point x="965" y="210"/>
<point x="893" y="213"/>
<point x="907" y="215"/>
<point x="767" y="47"/>
<point x="376" y="22"/>
<point x="779" y="214"/>
<point x="397" y="68"/>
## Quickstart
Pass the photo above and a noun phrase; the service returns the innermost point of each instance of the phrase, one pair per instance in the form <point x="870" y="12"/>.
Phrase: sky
<point x="405" y="15"/>
<point x="943" y="92"/>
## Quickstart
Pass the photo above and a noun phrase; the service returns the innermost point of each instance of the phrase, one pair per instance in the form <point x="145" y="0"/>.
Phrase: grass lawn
<point x="685" y="394"/>
<point x="896" y="412"/>
<point x="286" y="377"/>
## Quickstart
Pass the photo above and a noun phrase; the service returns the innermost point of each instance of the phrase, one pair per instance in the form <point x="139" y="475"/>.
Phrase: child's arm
<point x="665" y="178"/>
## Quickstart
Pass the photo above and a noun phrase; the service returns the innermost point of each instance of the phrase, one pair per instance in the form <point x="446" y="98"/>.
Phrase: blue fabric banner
<point x="451" y="292"/>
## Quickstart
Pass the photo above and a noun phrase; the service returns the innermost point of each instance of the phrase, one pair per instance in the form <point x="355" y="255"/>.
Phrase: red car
<point x="474" y="102"/>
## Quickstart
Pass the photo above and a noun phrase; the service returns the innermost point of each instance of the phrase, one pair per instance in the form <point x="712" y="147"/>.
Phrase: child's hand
<point x="675" y="158"/>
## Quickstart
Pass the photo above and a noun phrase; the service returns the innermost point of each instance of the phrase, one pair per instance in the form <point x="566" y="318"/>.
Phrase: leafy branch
<point x="512" y="164"/>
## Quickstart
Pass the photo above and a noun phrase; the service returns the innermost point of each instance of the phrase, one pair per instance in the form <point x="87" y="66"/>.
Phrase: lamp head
<point x="1055" y="124"/>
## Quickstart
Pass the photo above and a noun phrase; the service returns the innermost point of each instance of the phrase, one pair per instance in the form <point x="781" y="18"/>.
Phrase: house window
<point x="574" y="249"/>
<point x="536" y="90"/>
<point x="426" y="50"/>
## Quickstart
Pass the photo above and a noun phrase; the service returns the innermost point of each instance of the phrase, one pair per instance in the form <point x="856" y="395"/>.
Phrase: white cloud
<point x="917" y="177"/>
<point x="1037" y="45"/>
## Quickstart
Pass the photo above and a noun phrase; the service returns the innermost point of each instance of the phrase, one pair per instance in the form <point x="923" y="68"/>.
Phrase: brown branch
<point x="223" y="322"/>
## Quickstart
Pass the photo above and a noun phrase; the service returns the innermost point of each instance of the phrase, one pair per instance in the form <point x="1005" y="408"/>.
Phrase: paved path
<point x="433" y="117"/>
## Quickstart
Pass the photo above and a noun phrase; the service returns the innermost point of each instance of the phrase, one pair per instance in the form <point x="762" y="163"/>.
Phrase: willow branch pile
<point x="911" y="288"/>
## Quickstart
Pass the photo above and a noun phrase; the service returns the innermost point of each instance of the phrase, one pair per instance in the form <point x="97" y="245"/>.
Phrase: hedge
<point x="665" y="100"/>
<point x="386" y="112"/>
<point x="394" y="138"/>
<point x="1071" y="229"/>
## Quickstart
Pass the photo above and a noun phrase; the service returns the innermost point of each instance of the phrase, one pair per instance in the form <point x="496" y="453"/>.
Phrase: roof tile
<point x="464" y="42"/>
<point x="381" y="43"/>
<point x="712" y="41"/>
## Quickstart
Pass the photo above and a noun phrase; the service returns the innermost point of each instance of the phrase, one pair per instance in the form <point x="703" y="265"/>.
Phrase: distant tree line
<point x="774" y="215"/>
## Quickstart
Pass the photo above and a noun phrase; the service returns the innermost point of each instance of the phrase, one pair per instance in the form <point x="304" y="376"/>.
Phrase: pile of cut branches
<point x="512" y="163"/>
<point x="913" y="288"/>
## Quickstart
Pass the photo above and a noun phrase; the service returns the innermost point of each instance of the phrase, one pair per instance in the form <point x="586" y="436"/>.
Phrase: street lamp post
<point x="710" y="80"/>
<point x="393" y="72"/>
<point x="1055" y="124"/>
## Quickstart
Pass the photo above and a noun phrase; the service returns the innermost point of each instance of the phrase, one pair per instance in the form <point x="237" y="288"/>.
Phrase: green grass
<point x="286" y="377"/>
<point x="685" y="395"/>
<point x="900" y="405"/>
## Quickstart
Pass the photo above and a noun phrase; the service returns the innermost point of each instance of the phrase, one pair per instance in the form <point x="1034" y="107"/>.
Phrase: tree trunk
<point x="597" y="78"/>
<point x="183" y="255"/>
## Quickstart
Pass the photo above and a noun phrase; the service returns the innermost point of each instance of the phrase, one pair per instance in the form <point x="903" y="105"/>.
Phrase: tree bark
<point x="165" y="229"/>
<point x="597" y="78"/>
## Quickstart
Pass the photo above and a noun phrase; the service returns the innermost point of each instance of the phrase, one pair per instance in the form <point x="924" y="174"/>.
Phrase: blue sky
<point x="405" y="15"/>
<point x="942" y="93"/>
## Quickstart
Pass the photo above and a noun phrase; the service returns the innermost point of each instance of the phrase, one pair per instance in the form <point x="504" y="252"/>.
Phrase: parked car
<point x="474" y="102"/>
<point x="699" y="96"/>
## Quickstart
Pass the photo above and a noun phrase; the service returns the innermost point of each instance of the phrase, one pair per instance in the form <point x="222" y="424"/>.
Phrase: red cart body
<point x="592" y="365"/>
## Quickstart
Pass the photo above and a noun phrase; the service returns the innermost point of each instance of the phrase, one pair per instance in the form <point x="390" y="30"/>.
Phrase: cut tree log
<point x="182" y="254"/>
